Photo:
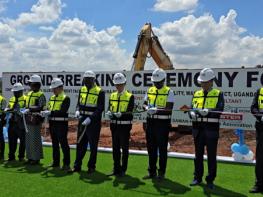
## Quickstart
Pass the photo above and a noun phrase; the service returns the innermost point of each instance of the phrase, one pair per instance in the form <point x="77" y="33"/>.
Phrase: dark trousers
<point x="157" y="134"/>
<point x="2" y="142"/>
<point x="59" y="133"/>
<point x="15" y="133"/>
<point x="205" y="137"/>
<point x="259" y="155"/>
<point x="120" y="141"/>
<point x="91" y="138"/>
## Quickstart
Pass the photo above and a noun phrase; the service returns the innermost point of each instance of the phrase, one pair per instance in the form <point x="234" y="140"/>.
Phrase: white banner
<point x="238" y="85"/>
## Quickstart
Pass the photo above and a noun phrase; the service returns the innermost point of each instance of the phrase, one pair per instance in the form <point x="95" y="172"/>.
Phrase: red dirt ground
<point x="179" y="141"/>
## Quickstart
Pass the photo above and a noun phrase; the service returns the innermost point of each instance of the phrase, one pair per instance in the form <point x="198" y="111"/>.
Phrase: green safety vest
<point x="32" y="98"/>
<point x="119" y="103"/>
<point x="260" y="99"/>
<point x="89" y="97"/>
<point x="199" y="101"/>
<point x="2" y="99"/>
<point x="158" y="97"/>
<point x="55" y="102"/>
<point x="21" y="102"/>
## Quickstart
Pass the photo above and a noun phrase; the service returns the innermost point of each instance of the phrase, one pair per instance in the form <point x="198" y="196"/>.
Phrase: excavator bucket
<point x="149" y="43"/>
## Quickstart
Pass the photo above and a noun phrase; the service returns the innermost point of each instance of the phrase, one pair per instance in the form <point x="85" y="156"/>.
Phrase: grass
<point x="19" y="180"/>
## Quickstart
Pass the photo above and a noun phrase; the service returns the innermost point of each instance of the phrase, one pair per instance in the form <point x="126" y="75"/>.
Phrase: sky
<point x="79" y="35"/>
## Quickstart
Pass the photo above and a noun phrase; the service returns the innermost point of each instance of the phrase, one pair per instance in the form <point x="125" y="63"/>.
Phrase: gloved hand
<point x="193" y="115"/>
<point x="24" y="111"/>
<point x="86" y="122"/>
<point x="203" y="112"/>
<point x="145" y="107"/>
<point x="152" y="110"/>
<point x="118" y="114"/>
<point x="261" y="118"/>
<point x="109" y="114"/>
<point x="77" y="114"/>
<point x="45" y="113"/>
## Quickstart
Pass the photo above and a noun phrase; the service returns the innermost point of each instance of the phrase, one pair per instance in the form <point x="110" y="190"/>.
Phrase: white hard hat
<point x="206" y="74"/>
<point x="56" y="82"/>
<point x="90" y="74"/>
<point x="158" y="75"/>
<point x="17" y="87"/>
<point x="35" y="79"/>
<point x="119" y="78"/>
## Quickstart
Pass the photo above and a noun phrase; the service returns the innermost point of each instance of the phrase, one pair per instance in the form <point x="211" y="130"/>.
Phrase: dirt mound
<point x="180" y="141"/>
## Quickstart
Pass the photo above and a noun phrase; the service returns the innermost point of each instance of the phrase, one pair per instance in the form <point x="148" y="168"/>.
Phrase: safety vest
<point x="89" y="97"/>
<point x="21" y="101"/>
<point x="260" y="99"/>
<point x="32" y="98"/>
<point x="119" y="103"/>
<point x="208" y="102"/>
<point x="55" y="102"/>
<point x="158" y="97"/>
<point x="1" y="103"/>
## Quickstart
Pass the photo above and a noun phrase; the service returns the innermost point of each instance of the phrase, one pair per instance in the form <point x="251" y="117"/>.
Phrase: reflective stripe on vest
<point x="21" y="102"/>
<point x="119" y="103"/>
<point x="1" y="103"/>
<point x="32" y="98"/>
<point x="158" y="97"/>
<point x="210" y="100"/>
<point x="260" y="100"/>
<point x="55" y="102"/>
<point x="89" y="97"/>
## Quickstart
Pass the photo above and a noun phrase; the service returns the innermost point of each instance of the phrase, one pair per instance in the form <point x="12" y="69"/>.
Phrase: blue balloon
<point x="235" y="148"/>
<point x="244" y="149"/>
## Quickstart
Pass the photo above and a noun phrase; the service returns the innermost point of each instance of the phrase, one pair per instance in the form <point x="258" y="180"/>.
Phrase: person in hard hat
<point x="257" y="111"/>
<point x="16" y="128"/>
<point x="91" y="102"/>
<point x="57" y="113"/>
<point x="35" y="103"/>
<point x="2" y="123"/>
<point x="158" y="102"/>
<point x="121" y="104"/>
<point x="207" y="103"/>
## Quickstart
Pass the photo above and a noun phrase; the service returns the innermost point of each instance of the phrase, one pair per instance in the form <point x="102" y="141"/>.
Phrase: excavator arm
<point x="149" y="43"/>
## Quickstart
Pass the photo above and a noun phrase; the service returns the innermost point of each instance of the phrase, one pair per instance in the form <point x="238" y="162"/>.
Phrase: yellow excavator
<point x="148" y="42"/>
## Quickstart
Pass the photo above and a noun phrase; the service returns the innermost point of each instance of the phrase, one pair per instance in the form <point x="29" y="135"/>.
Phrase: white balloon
<point x="237" y="156"/>
<point x="249" y="156"/>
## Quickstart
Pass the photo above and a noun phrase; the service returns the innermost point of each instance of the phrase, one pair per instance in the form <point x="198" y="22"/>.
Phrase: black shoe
<point x="91" y="170"/>
<point x="21" y="159"/>
<point x="256" y="189"/>
<point x="53" y="165"/>
<point x="34" y="162"/>
<point x="27" y="162"/>
<point x="74" y="170"/>
<point x="113" y="174"/>
<point x="210" y="185"/>
<point x="195" y="182"/>
<point x="121" y="174"/>
<point x="2" y="158"/>
<point x="65" y="168"/>
<point x="149" y="176"/>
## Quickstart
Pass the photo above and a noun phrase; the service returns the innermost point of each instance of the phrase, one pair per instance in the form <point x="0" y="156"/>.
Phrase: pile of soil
<point x="180" y="139"/>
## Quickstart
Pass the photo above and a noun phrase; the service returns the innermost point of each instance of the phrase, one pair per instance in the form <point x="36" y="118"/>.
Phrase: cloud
<point x="43" y="12"/>
<point x="199" y="42"/>
<point x="3" y="5"/>
<point x="73" y="45"/>
<point x="46" y="28"/>
<point x="175" y="5"/>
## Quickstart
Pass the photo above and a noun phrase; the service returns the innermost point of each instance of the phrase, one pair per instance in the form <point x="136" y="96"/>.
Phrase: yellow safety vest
<point x="158" y="97"/>
<point x="1" y="103"/>
<point x="260" y="99"/>
<point x="119" y="103"/>
<point x="21" y="102"/>
<point x="32" y="97"/>
<point x="89" y="97"/>
<point x="199" y="101"/>
<point x="55" y="102"/>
